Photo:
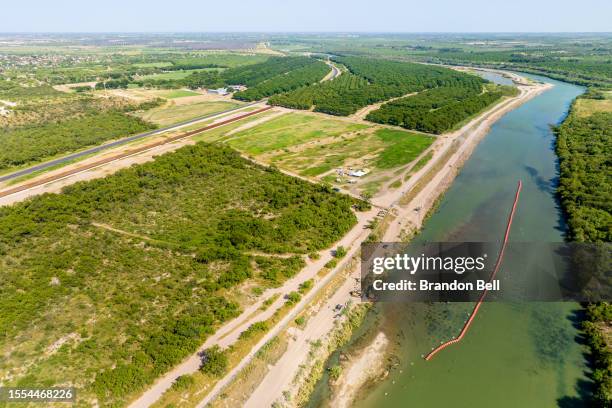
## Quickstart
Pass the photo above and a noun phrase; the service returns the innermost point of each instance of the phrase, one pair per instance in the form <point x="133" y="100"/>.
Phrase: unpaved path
<point x="363" y="112"/>
<point x="107" y="163"/>
<point x="228" y="333"/>
<point x="281" y="374"/>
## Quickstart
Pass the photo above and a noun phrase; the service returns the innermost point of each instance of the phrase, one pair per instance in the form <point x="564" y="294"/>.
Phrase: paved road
<point x="124" y="154"/>
<point x="119" y="142"/>
<point x="336" y="71"/>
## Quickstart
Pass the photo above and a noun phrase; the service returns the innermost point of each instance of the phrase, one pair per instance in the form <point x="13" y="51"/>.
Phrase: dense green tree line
<point x="203" y="209"/>
<point x="285" y="82"/>
<point x="275" y="75"/>
<point x="598" y="318"/>
<point x="585" y="187"/>
<point x="27" y="144"/>
<point x="371" y="81"/>
<point x="583" y="70"/>
<point x="436" y="110"/>
<point x="583" y="145"/>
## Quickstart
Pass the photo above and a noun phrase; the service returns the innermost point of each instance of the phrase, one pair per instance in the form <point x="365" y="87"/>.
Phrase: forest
<point x="190" y="220"/>
<point x="438" y="110"/>
<point x="31" y="143"/>
<point x="583" y="145"/>
<point x="585" y="70"/>
<point x="370" y="81"/>
<point x="308" y="75"/>
<point x="585" y="188"/>
<point x="272" y="76"/>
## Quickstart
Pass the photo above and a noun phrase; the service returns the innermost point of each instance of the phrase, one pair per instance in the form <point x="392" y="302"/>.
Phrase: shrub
<point x="214" y="361"/>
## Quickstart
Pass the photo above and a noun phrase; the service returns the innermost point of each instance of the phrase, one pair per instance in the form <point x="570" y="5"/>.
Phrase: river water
<point x="515" y="354"/>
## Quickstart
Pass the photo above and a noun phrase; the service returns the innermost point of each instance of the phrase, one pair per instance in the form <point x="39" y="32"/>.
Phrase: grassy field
<point x="289" y="130"/>
<point x="171" y="113"/>
<point x="153" y="65"/>
<point x="141" y="266"/>
<point x="587" y="107"/>
<point x="171" y="75"/>
<point x="177" y="93"/>
<point x="314" y="145"/>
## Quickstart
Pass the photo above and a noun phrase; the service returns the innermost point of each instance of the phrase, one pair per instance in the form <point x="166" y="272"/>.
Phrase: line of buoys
<point x="498" y="263"/>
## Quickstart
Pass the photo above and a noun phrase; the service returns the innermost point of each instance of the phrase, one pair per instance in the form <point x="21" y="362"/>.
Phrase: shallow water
<point x="515" y="355"/>
<point x="494" y="77"/>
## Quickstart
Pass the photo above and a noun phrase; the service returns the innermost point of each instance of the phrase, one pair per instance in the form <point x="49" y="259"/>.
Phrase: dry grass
<point x="587" y="107"/>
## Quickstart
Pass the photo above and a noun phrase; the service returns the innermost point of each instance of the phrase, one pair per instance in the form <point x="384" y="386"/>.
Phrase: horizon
<point x="316" y="32"/>
<point x="315" y="16"/>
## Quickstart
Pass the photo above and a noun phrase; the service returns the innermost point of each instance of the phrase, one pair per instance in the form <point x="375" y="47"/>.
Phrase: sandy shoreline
<point x="373" y="354"/>
<point x="369" y="361"/>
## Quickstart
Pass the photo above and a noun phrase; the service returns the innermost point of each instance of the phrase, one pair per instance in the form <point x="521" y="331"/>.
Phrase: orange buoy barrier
<point x="498" y="263"/>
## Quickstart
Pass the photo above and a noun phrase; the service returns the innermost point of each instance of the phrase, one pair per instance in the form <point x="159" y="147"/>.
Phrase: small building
<point x="357" y="173"/>
<point x="218" y="91"/>
<point x="238" y="87"/>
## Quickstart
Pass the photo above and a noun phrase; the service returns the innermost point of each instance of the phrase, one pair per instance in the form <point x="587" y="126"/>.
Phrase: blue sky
<point x="306" y="15"/>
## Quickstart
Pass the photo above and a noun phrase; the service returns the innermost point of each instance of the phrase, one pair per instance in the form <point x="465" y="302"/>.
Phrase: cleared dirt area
<point x="353" y="156"/>
<point x="177" y="110"/>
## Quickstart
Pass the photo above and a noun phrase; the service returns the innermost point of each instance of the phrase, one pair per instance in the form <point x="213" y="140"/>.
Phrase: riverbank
<point x="548" y="366"/>
<point x="448" y="155"/>
<point x="409" y="220"/>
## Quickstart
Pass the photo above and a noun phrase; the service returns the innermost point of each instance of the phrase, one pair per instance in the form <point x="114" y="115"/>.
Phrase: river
<point x="515" y="354"/>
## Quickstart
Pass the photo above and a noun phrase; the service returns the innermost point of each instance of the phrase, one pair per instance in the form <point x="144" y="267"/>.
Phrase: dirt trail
<point x="110" y="161"/>
<point x="363" y="112"/>
<point x="228" y="334"/>
<point x="281" y="374"/>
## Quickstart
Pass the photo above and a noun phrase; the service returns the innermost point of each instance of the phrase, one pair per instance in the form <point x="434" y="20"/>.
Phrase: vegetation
<point x="585" y="187"/>
<point x="171" y="113"/>
<point x="584" y="142"/>
<point x="293" y="297"/>
<point x="272" y="76"/>
<point x="257" y="327"/>
<point x="183" y="382"/>
<point x="597" y="330"/>
<point x="370" y="81"/>
<point x="183" y="228"/>
<point x="27" y="144"/>
<point x="402" y="147"/>
<point x="214" y="362"/>
<point x="437" y="110"/>
<point x="285" y="82"/>
<point x="579" y="69"/>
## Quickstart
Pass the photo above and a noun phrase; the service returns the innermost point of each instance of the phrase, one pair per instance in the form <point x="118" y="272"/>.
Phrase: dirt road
<point x="27" y="189"/>
<point x="106" y="146"/>
<point x="280" y="376"/>
<point x="229" y="333"/>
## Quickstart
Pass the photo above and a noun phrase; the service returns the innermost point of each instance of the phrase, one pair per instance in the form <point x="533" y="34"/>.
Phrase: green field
<point x="289" y="130"/>
<point x="170" y="75"/>
<point x="313" y="145"/>
<point x="171" y="113"/>
<point x="153" y="65"/>
<point x="111" y="283"/>
<point x="177" y="93"/>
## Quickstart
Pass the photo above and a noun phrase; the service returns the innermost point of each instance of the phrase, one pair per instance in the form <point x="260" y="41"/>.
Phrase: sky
<point x="306" y="15"/>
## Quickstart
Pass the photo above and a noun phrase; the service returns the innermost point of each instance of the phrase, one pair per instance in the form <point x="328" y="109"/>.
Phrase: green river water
<point x="516" y="355"/>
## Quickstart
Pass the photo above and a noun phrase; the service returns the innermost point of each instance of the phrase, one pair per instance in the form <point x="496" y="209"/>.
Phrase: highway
<point x="96" y="149"/>
<point x="127" y="153"/>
